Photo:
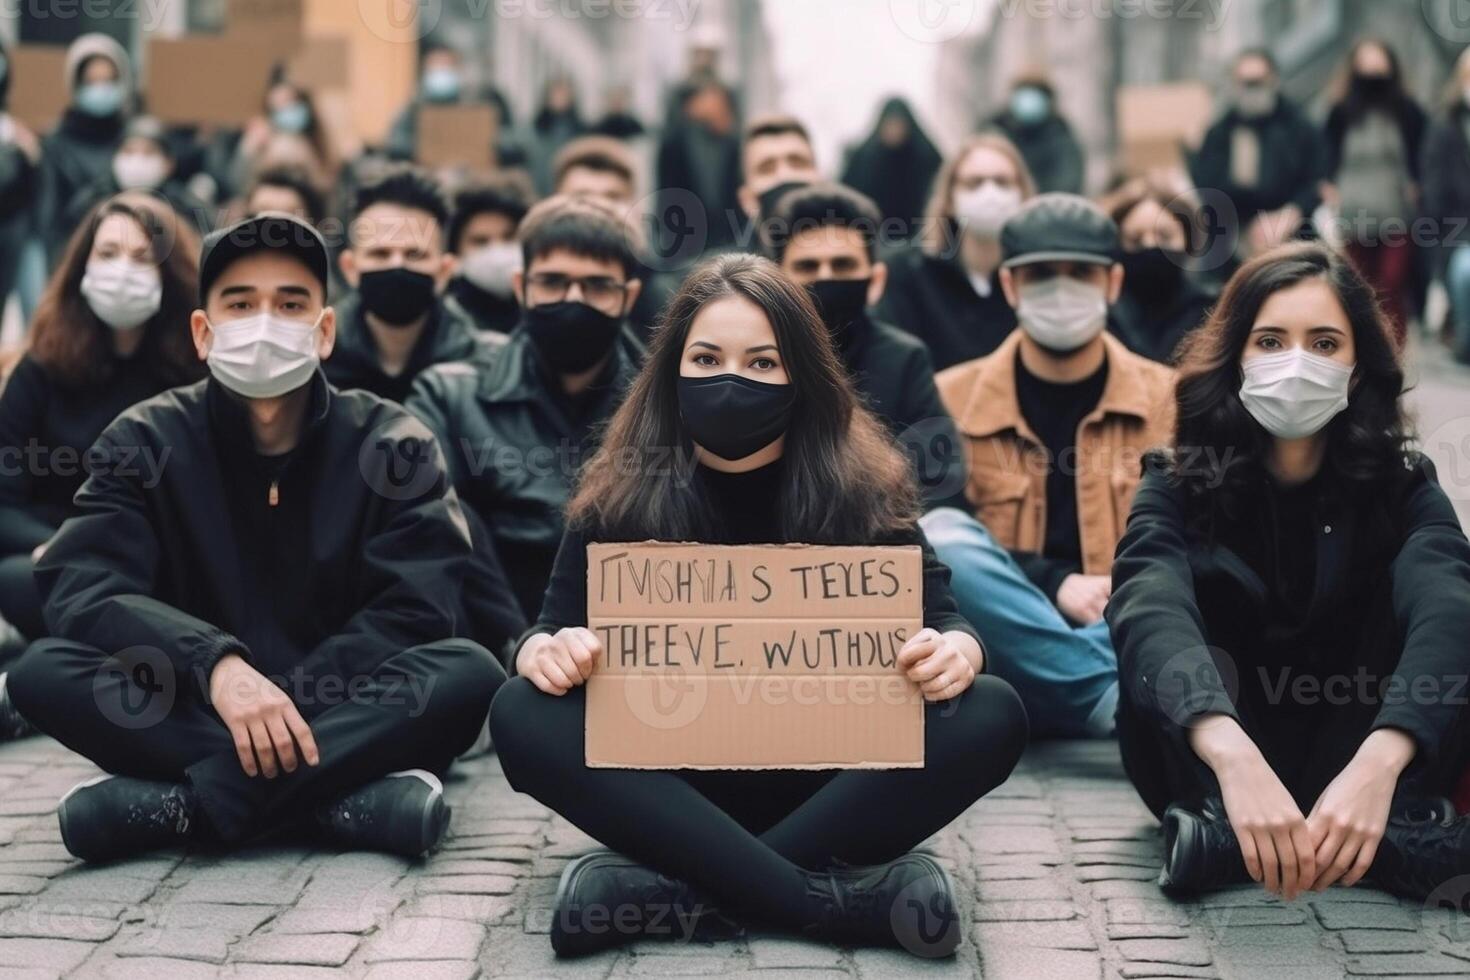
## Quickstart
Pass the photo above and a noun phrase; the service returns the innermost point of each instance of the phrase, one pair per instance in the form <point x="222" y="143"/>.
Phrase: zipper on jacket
<point x="273" y="497"/>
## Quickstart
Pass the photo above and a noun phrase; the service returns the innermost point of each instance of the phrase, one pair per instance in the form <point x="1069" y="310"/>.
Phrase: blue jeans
<point x="1067" y="675"/>
<point x="1457" y="285"/>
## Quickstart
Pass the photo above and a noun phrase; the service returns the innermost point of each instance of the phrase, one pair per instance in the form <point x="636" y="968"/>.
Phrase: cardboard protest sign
<point x="456" y="135"/>
<point x="38" y="92"/>
<point x="273" y="25"/>
<point x="1156" y="122"/>
<point x="753" y="657"/>
<point x="217" y="80"/>
<point x="321" y="62"/>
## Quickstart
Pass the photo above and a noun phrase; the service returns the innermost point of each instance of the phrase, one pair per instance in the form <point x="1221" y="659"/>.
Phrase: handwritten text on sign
<point x="759" y="656"/>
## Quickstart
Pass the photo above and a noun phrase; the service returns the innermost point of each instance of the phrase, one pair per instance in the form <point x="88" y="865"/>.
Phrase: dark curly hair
<point x="1220" y="449"/>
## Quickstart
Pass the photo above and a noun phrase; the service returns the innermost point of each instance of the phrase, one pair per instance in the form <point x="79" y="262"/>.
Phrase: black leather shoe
<point x="402" y="813"/>
<point x="12" y="725"/>
<point x="1424" y="846"/>
<point x="605" y="900"/>
<point x="1201" y="851"/>
<point x="113" y="817"/>
<point x="909" y="902"/>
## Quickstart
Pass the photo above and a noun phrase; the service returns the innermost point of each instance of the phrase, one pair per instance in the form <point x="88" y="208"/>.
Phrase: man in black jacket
<point x="518" y="422"/>
<point x="267" y="623"/>
<point x="825" y="238"/>
<point x="395" y="322"/>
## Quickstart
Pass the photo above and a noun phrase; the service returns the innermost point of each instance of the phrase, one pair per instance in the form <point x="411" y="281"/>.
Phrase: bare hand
<point x="1082" y="598"/>
<point x="266" y="727"/>
<point x="939" y="664"/>
<point x="1347" y="822"/>
<point x="557" y="662"/>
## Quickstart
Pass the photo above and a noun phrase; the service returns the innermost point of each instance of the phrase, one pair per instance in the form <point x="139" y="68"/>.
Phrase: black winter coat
<point x="931" y="298"/>
<point x="448" y="336"/>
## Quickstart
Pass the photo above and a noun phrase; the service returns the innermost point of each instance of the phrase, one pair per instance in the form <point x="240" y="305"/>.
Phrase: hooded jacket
<point x="347" y="551"/>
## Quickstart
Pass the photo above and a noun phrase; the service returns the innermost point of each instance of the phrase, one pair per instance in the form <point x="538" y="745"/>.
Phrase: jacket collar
<point x="229" y="417"/>
<point x="513" y="373"/>
<point x="993" y="406"/>
<point x="447" y="336"/>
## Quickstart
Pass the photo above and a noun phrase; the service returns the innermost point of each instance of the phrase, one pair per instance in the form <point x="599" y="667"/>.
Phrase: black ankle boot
<point x="909" y="902"/>
<point x="1424" y="846"/>
<point x="605" y="900"/>
<point x="12" y="725"/>
<point x="113" y="817"/>
<point x="1201" y="851"/>
<point x="403" y="813"/>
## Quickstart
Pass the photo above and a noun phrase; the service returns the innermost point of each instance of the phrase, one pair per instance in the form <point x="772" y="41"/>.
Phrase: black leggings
<point x="749" y="838"/>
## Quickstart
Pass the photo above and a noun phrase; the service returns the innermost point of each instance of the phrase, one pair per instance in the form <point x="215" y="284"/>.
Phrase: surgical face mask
<point x="293" y="118"/>
<point x="139" y="171"/>
<point x="1255" y="101"/>
<point x="491" y="267"/>
<point x="441" y="84"/>
<point x="982" y="211"/>
<point x="1062" y="314"/>
<point x="99" y="98"/>
<point x="263" y="356"/>
<point x="1294" y="393"/>
<point x="1030" y="105"/>
<point x="124" y="294"/>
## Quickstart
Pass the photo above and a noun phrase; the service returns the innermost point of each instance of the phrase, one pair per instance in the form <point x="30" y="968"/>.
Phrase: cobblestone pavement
<point x="1056" y="870"/>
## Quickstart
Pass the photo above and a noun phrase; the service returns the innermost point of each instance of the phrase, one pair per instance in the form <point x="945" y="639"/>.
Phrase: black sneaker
<point x="12" y="725"/>
<point x="605" y="900"/>
<point x="1201" y="851"/>
<point x="402" y="813"/>
<point x="1425" y="845"/>
<point x="113" y="817"/>
<point x="909" y="902"/>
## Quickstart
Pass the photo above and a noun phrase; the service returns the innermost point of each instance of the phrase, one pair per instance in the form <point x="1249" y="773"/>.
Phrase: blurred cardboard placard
<point x="321" y="62"/>
<point x="206" y="80"/>
<point x="38" y="89"/>
<point x="456" y="135"/>
<point x="1157" y="123"/>
<point x="753" y="657"/>
<point x="274" y="25"/>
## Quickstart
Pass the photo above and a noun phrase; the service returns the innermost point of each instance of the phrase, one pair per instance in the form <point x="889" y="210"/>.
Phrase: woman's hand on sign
<point x="944" y="665"/>
<point x="557" y="662"/>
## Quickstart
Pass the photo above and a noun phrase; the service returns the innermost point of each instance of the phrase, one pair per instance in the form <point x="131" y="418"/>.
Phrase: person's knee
<point x="986" y="722"/>
<point x="947" y="526"/>
<point x="34" y="680"/>
<point x="528" y="735"/>
<point x="461" y="683"/>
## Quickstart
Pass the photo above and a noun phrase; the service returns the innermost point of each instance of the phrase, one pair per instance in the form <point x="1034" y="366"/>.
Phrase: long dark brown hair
<point x="844" y="479"/>
<point x="1219" y="445"/>
<point x="75" y="347"/>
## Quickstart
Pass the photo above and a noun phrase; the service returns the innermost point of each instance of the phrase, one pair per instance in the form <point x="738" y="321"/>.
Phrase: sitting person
<point x="482" y="236"/>
<point x="517" y="422"/>
<point x="1290" y="604"/>
<point x="742" y="369"/>
<point x="825" y="238"/>
<point x="394" y="322"/>
<point x="264" y="629"/>
<point x="1054" y="423"/>
<point x="109" y="332"/>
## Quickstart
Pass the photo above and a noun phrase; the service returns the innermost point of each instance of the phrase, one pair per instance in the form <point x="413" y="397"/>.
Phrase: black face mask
<point x="397" y="296"/>
<point x="571" y="337"/>
<point x="732" y="416"/>
<point x="1152" y="270"/>
<point x="841" y="303"/>
<point x="1372" y="87"/>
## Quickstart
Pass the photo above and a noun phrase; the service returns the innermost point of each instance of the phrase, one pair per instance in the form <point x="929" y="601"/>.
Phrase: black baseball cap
<point x="272" y="230"/>
<point x="1059" y="228"/>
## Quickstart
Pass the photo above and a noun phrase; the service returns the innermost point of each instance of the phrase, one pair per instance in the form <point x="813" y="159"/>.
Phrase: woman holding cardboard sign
<point x="1290" y="604"/>
<point x="742" y="383"/>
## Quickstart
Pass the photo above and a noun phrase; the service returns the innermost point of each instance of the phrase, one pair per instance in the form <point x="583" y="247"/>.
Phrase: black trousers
<point x="20" y="600"/>
<point x="749" y="838"/>
<point x="129" y="715"/>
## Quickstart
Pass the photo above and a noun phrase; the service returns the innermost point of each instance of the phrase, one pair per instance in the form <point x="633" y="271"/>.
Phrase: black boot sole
<point x="568" y="944"/>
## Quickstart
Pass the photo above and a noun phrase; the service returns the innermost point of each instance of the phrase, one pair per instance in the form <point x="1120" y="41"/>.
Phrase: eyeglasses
<point x="601" y="292"/>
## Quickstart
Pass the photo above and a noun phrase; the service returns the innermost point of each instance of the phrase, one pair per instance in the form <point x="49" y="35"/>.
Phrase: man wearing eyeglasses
<point x="517" y="421"/>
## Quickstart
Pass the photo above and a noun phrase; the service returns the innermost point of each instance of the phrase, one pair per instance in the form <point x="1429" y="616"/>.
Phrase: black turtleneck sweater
<point x="490" y="313"/>
<point x="745" y="509"/>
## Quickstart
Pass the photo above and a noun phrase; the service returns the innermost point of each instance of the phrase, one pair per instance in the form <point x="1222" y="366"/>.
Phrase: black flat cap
<point x="1059" y="228"/>
<point x="275" y="231"/>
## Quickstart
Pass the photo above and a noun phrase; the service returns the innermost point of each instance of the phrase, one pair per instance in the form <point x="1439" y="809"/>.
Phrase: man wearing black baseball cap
<point x="1055" y="422"/>
<point x="263" y="629"/>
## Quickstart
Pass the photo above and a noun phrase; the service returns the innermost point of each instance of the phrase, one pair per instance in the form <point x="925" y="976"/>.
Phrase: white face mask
<point x="124" y="294"/>
<point x="492" y="266"/>
<point x="1294" y="393"/>
<point x="263" y="356"/>
<point x="1062" y="313"/>
<point x="983" y="211"/>
<point x="139" y="171"/>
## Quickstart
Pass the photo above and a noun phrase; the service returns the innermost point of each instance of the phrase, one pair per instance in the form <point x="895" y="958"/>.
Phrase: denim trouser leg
<point x="1067" y="676"/>
<point x="1457" y="285"/>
